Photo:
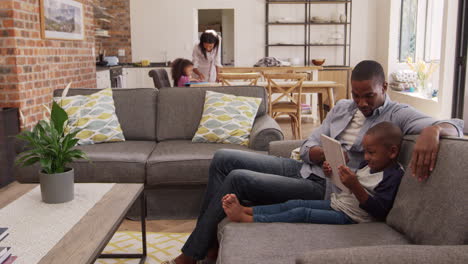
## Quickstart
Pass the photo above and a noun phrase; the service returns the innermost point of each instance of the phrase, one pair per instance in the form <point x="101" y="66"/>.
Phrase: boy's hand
<point x="327" y="170"/>
<point x="348" y="178"/>
<point x="345" y="154"/>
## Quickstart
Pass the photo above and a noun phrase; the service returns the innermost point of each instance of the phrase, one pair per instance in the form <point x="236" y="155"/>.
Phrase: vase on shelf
<point x="425" y="88"/>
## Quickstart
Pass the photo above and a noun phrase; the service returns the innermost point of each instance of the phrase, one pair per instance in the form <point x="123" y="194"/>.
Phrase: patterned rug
<point x="161" y="246"/>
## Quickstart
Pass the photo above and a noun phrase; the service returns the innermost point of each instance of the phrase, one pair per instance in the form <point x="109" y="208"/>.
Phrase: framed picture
<point x="62" y="19"/>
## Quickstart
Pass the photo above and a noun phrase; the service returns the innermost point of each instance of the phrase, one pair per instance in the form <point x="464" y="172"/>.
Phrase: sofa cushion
<point x="135" y="108"/>
<point x="94" y="115"/>
<point x="283" y="242"/>
<point x="182" y="162"/>
<point x="121" y="162"/>
<point x="435" y="211"/>
<point x="227" y="119"/>
<point x="185" y="105"/>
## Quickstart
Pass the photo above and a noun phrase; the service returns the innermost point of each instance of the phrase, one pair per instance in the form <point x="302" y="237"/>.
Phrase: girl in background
<point x="206" y="57"/>
<point x="182" y="70"/>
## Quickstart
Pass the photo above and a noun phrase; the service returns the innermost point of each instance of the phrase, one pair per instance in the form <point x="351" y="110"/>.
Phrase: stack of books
<point x="5" y="253"/>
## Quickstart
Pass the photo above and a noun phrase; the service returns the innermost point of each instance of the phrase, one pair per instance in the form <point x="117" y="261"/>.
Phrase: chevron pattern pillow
<point x="227" y="119"/>
<point x="94" y="115"/>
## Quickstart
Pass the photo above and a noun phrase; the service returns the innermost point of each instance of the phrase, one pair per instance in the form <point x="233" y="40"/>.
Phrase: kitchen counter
<point x="106" y="68"/>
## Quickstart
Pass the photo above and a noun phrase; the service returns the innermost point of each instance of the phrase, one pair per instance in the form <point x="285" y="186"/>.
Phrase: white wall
<point x="170" y="25"/>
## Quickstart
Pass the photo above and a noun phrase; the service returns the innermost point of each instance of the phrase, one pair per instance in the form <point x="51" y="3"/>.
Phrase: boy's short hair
<point x="368" y="70"/>
<point x="387" y="133"/>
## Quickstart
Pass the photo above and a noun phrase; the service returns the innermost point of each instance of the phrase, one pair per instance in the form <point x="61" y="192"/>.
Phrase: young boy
<point x="372" y="189"/>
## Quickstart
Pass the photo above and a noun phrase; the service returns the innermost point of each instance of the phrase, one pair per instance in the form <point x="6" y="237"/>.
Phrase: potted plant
<point x="50" y="143"/>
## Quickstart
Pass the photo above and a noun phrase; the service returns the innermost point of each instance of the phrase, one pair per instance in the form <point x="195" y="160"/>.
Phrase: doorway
<point x="221" y="21"/>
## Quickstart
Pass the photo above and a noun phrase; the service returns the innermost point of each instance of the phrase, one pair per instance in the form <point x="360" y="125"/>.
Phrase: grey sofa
<point x="428" y="223"/>
<point x="158" y="126"/>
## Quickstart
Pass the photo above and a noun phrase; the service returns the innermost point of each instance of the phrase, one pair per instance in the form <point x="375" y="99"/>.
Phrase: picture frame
<point x="62" y="19"/>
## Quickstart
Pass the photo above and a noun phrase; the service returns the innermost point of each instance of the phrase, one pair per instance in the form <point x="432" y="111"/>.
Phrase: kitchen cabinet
<point x="103" y="79"/>
<point x="137" y="77"/>
<point x="340" y="75"/>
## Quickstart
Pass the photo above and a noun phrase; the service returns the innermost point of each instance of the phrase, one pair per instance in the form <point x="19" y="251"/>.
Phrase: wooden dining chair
<point x="289" y="102"/>
<point x="228" y="78"/>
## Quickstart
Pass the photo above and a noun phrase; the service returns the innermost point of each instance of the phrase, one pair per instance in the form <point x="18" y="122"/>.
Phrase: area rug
<point x="161" y="246"/>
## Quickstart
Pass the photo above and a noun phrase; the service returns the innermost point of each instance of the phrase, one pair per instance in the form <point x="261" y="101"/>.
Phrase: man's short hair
<point x="368" y="70"/>
<point x="387" y="133"/>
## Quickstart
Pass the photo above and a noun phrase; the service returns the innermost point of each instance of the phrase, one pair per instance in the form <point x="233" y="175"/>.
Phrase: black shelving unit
<point x="307" y="24"/>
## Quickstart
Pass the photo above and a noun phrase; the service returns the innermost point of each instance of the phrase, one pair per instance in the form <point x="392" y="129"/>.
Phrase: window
<point x="421" y="29"/>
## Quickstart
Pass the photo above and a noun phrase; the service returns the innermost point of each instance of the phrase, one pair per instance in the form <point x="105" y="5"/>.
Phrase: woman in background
<point x="206" y="56"/>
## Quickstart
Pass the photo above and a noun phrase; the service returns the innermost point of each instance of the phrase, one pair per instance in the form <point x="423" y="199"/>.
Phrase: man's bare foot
<point x="234" y="210"/>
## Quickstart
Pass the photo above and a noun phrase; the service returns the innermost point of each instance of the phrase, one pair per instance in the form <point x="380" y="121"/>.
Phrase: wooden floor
<point x="186" y="226"/>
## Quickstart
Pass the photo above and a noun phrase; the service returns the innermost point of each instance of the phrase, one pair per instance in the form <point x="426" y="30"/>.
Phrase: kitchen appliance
<point x="112" y="60"/>
<point x="116" y="77"/>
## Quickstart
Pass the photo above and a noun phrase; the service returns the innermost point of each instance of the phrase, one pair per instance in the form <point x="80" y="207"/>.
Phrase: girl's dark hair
<point x="208" y="37"/>
<point x="177" y="69"/>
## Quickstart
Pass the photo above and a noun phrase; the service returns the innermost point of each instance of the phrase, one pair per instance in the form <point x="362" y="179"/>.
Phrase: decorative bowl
<point x="318" y="62"/>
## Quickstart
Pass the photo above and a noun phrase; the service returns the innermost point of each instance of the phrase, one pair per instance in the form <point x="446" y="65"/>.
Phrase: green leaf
<point x="30" y="162"/>
<point x="58" y="117"/>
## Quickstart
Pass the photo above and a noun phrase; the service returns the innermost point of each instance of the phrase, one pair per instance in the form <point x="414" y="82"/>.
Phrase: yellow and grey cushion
<point x="227" y="119"/>
<point x="94" y="115"/>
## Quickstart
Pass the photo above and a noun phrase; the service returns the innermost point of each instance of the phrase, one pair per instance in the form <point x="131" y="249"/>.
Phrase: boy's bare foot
<point x="229" y="199"/>
<point x="234" y="210"/>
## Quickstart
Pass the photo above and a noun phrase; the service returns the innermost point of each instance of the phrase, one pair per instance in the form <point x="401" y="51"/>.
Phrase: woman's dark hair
<point x="208" y="36"/>
<point x="177" y="69"/>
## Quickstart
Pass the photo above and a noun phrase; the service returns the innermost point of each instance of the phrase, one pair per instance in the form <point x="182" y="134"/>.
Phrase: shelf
<point x="329" y="2"/>
<point x="285" y="45"/>
<point x="104" y="20"/>
<point x="287" y="24"/>
<point x="102" y="36"/>
<point x="308" y="45"/>
<point x="328" y="23"/>
<point x="327" y="45"/>
<point x="303" y="24"/>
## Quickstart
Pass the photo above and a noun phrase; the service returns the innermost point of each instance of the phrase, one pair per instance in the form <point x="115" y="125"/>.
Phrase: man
<point x="263" y="179"/>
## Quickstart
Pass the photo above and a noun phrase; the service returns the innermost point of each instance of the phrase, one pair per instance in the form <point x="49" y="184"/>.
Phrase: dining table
<point x="308" y="87"/>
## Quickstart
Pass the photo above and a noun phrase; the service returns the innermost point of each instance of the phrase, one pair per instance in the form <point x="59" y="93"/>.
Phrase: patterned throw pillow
<point x="227" y="119"/>
<point x="94" y="115"/>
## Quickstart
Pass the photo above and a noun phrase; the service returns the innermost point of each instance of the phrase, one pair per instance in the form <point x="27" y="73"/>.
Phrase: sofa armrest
<point x="264" y="130"/>
<point x="283" y="148"/>
<point x="388" y="255"/>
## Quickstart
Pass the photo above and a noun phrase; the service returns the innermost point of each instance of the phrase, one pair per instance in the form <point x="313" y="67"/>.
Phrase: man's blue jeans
<point x="301" y="211"/>
<point x="259" y="179"/>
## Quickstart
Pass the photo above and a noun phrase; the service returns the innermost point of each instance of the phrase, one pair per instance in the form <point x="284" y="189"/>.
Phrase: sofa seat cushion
<point x="183" y="162"/>
<point x="283" y="242"/>
<point x="120" y="162"/>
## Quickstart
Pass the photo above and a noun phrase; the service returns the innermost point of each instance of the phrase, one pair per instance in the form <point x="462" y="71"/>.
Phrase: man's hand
<point x="327" y="170"/>
<point x="316" y="155"/>
<point x="425" y="152"/>
<point x="348" y="178"/>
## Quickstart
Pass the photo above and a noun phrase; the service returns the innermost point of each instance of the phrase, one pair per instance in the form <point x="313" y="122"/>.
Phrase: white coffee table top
<point x="73" y="232"/>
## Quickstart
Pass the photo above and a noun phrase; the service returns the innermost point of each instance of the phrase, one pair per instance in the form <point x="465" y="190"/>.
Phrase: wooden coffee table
<point x="86" y="240"/>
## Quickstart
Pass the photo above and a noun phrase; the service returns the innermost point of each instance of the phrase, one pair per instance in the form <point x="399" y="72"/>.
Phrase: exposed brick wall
<point x="119" y="29"/>
<point x="31" y="68"/>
